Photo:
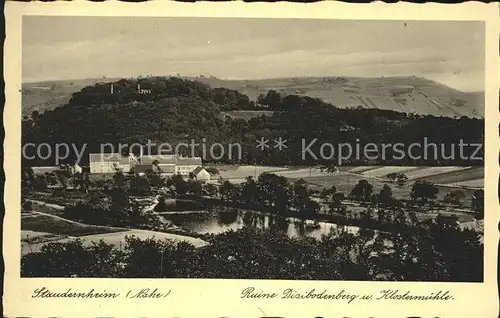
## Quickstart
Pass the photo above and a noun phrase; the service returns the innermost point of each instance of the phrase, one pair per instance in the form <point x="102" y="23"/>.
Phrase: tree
<point x="454" y="197"/>
<point x="62" y="177"/>
<point x="162" y="205"/>
<point x="139" y="186"/>
<point x="250" y="191"/>
<point x="261" y="99"/>
<point x="413" y="218"/>
<point x="385" y="195"/>
<point x="228" y="191"/>
<point x="424" y="190"/>
<point x="477" y="203"/>
<point x="274" y="191"/>
<point x="328" y="193"/>
<point x="273" y="100"/>
<point x="181" y="186"/>
<point x="26" y="206"/>
<point x="336" y="204"/>
<point x="392" y="176"/>
<point x="84" y="182"/>
<point x="381" y="215"/>
<point x="35" y="114"/>
<point x="27" y="178"/>
<point x="194" y="187"/>
<point x="292" y="102"/>
<point x="330" y="168"/>
<point x="211" y="189"/>
<point x="119" y="180"/>
<point x="40" y="183"/>
<point x="362" y="191"/>
<point x="398" y="178"/>
<point x="212" y="170"/>
<point x="301" y="200"/>
<point x="154" y="175"/>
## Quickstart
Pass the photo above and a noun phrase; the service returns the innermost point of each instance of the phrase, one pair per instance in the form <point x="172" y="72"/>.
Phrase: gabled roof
<point x="124" y="160"/>
<point x="189" y="161"/>
<point x="162" y="159"/>
<point x="167" y="168"/>
<point x="102" y="157"/>
<point x="141" y="168"/>
<point x="197" y="170"/>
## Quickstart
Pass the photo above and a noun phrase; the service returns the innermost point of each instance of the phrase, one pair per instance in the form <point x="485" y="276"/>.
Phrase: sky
<point x="61" y="48"/>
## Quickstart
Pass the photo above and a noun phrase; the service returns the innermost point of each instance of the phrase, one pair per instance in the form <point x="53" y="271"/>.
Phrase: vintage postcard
<point x="251" y="160"/>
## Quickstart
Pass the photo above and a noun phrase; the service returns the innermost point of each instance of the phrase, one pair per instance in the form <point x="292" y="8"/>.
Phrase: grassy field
<point x="346" y="175"/>
<point x="345" y="182"/>
<point x="452" y="175"/>
<point x="361" y="169"/>
<point x="382" y="172"/>
<point x="471" y="174"/>
<point x="479" y="183"/>
<point x="29" y="236"/>
<point x="424" y="172"/>
<point x="46" y="208"/>
<point x="47" y="224"/>
<point x="241" y="172"/>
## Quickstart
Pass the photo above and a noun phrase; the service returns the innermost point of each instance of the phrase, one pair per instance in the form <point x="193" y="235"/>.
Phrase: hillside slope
<point x="403" y="94"/>
<point x="42" y="96"/>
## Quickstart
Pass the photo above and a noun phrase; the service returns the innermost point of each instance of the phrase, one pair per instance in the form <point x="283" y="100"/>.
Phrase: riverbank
<point x="336" y="218"/>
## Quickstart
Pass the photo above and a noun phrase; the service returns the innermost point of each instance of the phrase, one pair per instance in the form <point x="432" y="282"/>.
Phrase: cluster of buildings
<point x="166" y="165"/>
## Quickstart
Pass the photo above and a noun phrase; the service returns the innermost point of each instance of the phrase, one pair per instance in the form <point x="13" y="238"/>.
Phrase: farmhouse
<point x="164" y="164"/>
<point x="185" y="165"/>
<point x="201" y="174"/>
<point x="108" y="163"/>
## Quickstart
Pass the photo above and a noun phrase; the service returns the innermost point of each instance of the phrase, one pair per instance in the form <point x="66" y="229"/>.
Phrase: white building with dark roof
<point x="108" y="163"/>
<point x="185" y="165"/>
<point x="165" y="164"/>
<point x="201" y="174"/>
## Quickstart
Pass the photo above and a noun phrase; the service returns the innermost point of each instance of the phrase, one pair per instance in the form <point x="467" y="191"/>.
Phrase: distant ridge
<point x="426" y="97"/>
<point x="408" y="94"/>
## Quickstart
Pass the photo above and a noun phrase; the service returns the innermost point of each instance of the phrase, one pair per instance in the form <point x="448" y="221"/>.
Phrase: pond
<point x="216" y="222"/>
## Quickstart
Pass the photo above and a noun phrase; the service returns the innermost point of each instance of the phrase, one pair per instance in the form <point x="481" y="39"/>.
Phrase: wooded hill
<point x="178" y="110"/>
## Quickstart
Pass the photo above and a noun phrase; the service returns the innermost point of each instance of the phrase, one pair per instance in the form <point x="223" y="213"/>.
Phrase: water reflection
<point x="216" y="222"/>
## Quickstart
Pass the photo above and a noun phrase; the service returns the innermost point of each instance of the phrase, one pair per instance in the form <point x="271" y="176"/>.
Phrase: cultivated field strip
<point x="244" y="171"/>
<point x="478" y="183"/>
<point x="430" y="171"/>
<point x="474" y="173"/>
<point x="362" y="169"/>
<point x="384" y="171"/>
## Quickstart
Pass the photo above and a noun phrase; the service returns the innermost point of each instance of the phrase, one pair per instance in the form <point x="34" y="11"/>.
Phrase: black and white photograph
<point x="252" y="148"/>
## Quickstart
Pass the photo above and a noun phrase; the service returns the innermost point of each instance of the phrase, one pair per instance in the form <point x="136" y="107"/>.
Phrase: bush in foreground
<point x="439" y="252"/>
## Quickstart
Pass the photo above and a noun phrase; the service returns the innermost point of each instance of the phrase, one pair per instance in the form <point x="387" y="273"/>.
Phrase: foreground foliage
<point x="436" y="251"/>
